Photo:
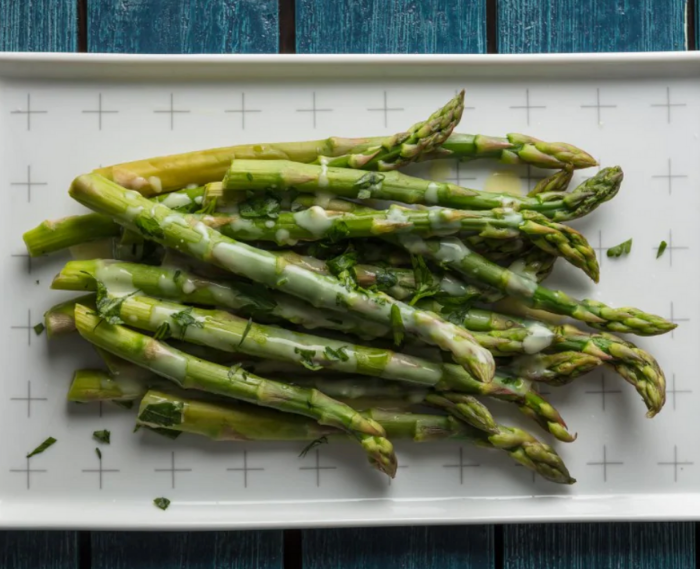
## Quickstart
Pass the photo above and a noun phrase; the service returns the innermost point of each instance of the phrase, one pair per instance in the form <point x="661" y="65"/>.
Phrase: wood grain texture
<point x="182" y="26"/>
<point x="603" y="546"/>
<point x="38" y="25"/>
<point x="38" y="550"/>
<point x="194" y="550"/>
<point x="449" y="547"/>
<point x="538" y="26"/>
<point x="390" y="26"/>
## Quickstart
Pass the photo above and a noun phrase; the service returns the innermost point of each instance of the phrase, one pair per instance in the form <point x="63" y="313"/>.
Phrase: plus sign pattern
<point x="658" y="201"/>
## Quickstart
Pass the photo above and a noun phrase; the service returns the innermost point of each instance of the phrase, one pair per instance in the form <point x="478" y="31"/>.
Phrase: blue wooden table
<point x="355" y="26"/>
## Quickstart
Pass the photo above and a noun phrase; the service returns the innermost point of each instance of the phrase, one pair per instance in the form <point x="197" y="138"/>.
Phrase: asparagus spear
<point x="396" y="186"/>
<point x="154" y="176"/>
<point x="405" y="147"/>
<point x="180" y="285"/>
<point x="59" y="320"/>
<point x="97" y="385"/>
<point x="594" y="313"/>
<point x="507" y="335"/>
<point x="556" y="369"/>
<point x="190" y="372"/>
<point x="557" y="182"/>
<point x="239" y="422"/>
<point x="186" y="234"/>
<point x="51" y="236"/>
<point x="502" y="223"/>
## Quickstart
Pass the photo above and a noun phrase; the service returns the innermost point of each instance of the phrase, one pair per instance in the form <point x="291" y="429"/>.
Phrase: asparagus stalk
<point x="186" y="234"/>
<point x="555" y="369"/>
<point x="477" y="268"/>
<point x="396" y="186"/>
<point x="557" y="182"/>
<point x="180" y="285"/>
<point x="405" y="147"/>
<point x="190" y="372"/>
<point x="315" y="223"/>
<point x="240" y="422"/>
<point x="51" y="236"/>
<point x="97" y="385"/>
<point x="157" y="175"/>
<point x="59" y="320"/>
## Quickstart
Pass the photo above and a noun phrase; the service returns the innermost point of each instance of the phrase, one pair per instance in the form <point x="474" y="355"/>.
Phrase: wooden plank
<point x="38" y="549"/>
<point x="603" y="546"/>
<point x="537" y="26"/>
<point x="449" y="547"/>
<point x="38" y="25"/>
<point x="194" y="550"/>
<point x="391" y="26"/>
<point x="192" y="26"/>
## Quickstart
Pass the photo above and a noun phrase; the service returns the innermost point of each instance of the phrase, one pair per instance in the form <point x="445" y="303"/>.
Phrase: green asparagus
<point x="192" y="373"/>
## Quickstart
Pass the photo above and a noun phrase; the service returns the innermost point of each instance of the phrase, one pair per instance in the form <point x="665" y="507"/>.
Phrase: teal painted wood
<point x="603" y="546"/>
<point x="38" y="25"/>
<point x="449" y="547"/>
<point x="539" y="26"/>
<point x="182" y="26"/>
<point x="194" y="550"/>
<point x="390" y="26"/>
<point x="38" y="550"/>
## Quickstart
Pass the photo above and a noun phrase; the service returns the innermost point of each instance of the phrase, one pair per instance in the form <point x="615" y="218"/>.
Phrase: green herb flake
<point x="267" y="207"/>
<point x="338" y="354"/>
<point x="248" y="326"/>
<point x="385" y="279"/>
<point x="209" y="208"/>
<point x="42" y="447"/>
<point x="163" y="414"/>
<point x="343" y="268"/>
<point x="149" y="227"/>
<point x="338" y="232"/>
<point x="39" y="329"/>
<point x="368" y="181"/>
<point x="621" y="249"/>
<point x="662" y="248"/>
<point x="397" y="324"/>
<point x="364" y="194"/>
<point x="307" y="359"/>
<point x="426" y="284"/>
<point x="312" y="445"/>
<point x="163" y="332"/>
<point x="177" y="274"/>
<point x="98" y="452"/>
<point x="102" y="436"/>
<point x="249" y="176"/>
<point x="108" y="308"/>
<point x="162" y="503"/>
<point x="184" y="320"/>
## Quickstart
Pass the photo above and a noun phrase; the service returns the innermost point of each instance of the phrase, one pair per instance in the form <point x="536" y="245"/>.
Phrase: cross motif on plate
<point x="314" y="109"/>
<point x="457" y="177"/>
<point x="28" y="184"/>
<point x="100" y="111"/>
<point x="386" y="110"/>
<point x="100" y="470"/>
<point x="172" y="470"/>
<point x="603" y="391"/>
<point x="243" y="110"/>
<point x="598" y="106"/>
<point x="670" y="248"/>
<point x="675" y="463"/>
<point x="675" y="319"/>
<point x="668" y="105"/>
<point x="461" y="466"/>
<point x="674" y="392"/>
<point x="29" y="399"/>
<point x="28" y="471"/>
<point x="530" y="178"/>
<point x="527" y="106"/>
<point x="669" y="176"/>
<point x="318" y="468"/>
<point x="172" y="111"/>
<point x="246" y="469"/>
<point x="605" y="463"/>
<point x="29" y="112"/>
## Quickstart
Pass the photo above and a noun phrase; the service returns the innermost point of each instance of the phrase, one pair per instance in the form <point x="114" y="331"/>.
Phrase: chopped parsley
<point x="149" y="227"/>
<point x="39" y="329"/>
<point x="426" y="285"/>
<point x="248" y="326"/>
<point x="338" y="354"/>
<point x="161" y="503"/>
<point x="103" y="436"/>
<point x="163" y="414"/>
<point x="267" y="206"/>
<point x="209" y="208"/>
<point x="184" y="320"/>
<point x="163" y="332"/>
<point x="662" y="248"/>
<point x="42" y="447"/>
<point x="312" y="445"/>
<point x="621" y="249"/>
<point x="108" y="308"/>
<point x="98" y="452"/>
<point x="307" y="359"/>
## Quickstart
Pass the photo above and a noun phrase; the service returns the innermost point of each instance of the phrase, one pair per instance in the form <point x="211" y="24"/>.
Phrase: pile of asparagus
<point x="311" y="291"/>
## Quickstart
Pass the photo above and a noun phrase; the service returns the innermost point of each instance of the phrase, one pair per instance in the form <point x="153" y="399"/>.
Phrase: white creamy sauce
<point x="323" y="199"/>
<point x="440" y="221"/>
<point x="188" y="286"/>
<point x="323" y="176"/>
<point x="131" y="212"/>
<point x="452" y="287"/>
<point x="245" y="226"/>
<point x="177" y="219"/>
<point x="118" y="281"/>
<point x="200" y="248"/>
<point x="176" y="200"/>
<point x="269" y="224"/>
<point x="451" y="250"/>
<point x="414" y="244"/>
<point x="431" y="194"/>
<point x="167" y="286"/>
<point x="131" y="195"/>
<point x="396" y="215"/>
<point x="156" y="184"/>
<point x="191" y="186"/>
<point x="170" y="364"/>
<point x="282" y="237"/>
<point x="315" y="220"/>
<point x="511" y="216"/>
<point x="540" y="338"/>
<point x="198" y="199"/>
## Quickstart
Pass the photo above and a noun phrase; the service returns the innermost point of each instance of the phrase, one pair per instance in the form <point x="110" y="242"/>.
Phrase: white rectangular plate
<point x="639" y="111"/>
